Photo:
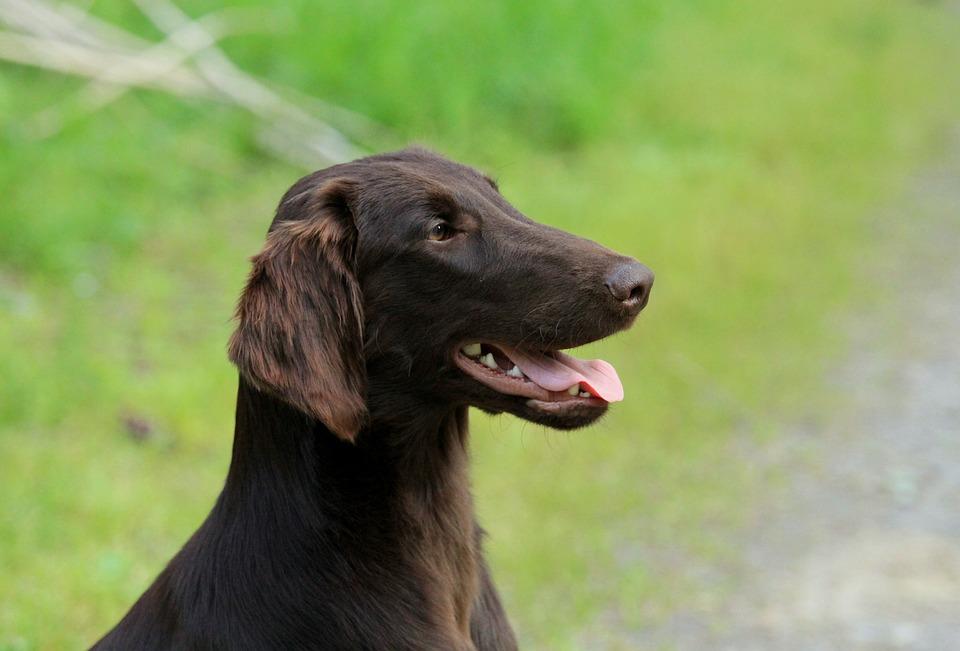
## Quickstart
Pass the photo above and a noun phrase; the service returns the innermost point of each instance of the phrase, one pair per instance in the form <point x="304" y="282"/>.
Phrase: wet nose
<point x="630" y="283"/>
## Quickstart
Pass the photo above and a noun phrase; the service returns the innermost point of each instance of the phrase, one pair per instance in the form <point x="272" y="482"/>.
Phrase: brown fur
<point x="307" y="268"/>
<point x="346" y="521"/>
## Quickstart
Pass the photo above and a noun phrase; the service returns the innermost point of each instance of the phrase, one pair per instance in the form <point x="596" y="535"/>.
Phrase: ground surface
<point x="860" y="546"/>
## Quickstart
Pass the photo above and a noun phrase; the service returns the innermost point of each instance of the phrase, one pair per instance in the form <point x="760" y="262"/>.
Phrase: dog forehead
<point x="400" y="188"/>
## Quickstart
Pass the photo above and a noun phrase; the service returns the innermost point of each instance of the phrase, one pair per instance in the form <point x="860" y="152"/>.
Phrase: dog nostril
<point x="630" y="283"/>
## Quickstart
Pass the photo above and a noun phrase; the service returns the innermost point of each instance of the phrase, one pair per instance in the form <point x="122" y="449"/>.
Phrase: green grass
<point x="736" y="147"/>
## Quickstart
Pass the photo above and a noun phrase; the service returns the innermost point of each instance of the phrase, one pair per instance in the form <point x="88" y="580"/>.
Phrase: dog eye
<point x="440" y="232"/>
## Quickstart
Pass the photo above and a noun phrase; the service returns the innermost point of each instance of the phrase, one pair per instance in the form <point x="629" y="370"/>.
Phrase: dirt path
<point x="861" y="549"/>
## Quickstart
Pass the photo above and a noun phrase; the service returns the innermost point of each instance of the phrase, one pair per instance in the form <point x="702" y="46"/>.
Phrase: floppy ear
<point x="300" y="331"/>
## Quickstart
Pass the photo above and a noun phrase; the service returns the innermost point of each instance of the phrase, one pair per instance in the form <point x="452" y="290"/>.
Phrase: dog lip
<point x="500" y="382"/>
<point x="520" y="387"/>
<point x="552" y="371"/>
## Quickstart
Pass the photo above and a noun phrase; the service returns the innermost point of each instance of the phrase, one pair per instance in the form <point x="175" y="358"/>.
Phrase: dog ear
<point x="300" y="317"/>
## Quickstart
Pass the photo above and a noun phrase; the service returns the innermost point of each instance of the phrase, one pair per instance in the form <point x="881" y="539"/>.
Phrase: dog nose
<point x="630" y="283"/>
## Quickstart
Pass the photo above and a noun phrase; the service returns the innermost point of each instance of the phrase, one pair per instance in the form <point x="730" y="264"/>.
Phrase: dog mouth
<point x="552" y="380"/>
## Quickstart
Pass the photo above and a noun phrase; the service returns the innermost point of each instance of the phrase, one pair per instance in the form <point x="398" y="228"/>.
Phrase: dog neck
<point x="399" y="495"/>
<point x="279" y="447"/>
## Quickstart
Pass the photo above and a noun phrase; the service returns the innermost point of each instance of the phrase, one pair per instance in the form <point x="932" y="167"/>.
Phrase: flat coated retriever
<point x="392" y="293"/>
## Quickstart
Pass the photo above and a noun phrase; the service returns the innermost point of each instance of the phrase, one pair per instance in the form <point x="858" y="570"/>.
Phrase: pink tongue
<point x="562" y="372"/>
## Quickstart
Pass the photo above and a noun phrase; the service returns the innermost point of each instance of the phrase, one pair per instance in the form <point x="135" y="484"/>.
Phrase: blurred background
<point x="787" y="168"/>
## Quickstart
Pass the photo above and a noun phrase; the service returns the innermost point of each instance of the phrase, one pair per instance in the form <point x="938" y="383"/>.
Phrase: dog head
<point x="405" y="282"/>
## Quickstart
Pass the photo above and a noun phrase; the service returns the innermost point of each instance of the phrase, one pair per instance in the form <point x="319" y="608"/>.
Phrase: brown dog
<point x="392" y="293"/>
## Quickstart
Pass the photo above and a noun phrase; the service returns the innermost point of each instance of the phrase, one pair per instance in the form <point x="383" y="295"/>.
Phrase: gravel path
<point x="860" y="550"/>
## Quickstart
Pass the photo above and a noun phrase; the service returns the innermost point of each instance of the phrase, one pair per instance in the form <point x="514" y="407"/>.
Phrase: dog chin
<point x="567" y="417"/>
<point x="572" y="418"/>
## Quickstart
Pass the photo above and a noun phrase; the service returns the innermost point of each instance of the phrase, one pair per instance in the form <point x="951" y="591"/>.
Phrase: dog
<point x="392" y="293"/>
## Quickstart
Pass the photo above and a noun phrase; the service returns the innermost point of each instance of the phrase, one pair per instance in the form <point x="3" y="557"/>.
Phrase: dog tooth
<point x="471" y="350"/>
<point x="586" y="394"/>
<point x="515" y="371"/>
<point x="489" y="361"/>
<point x="574" y="390"/>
